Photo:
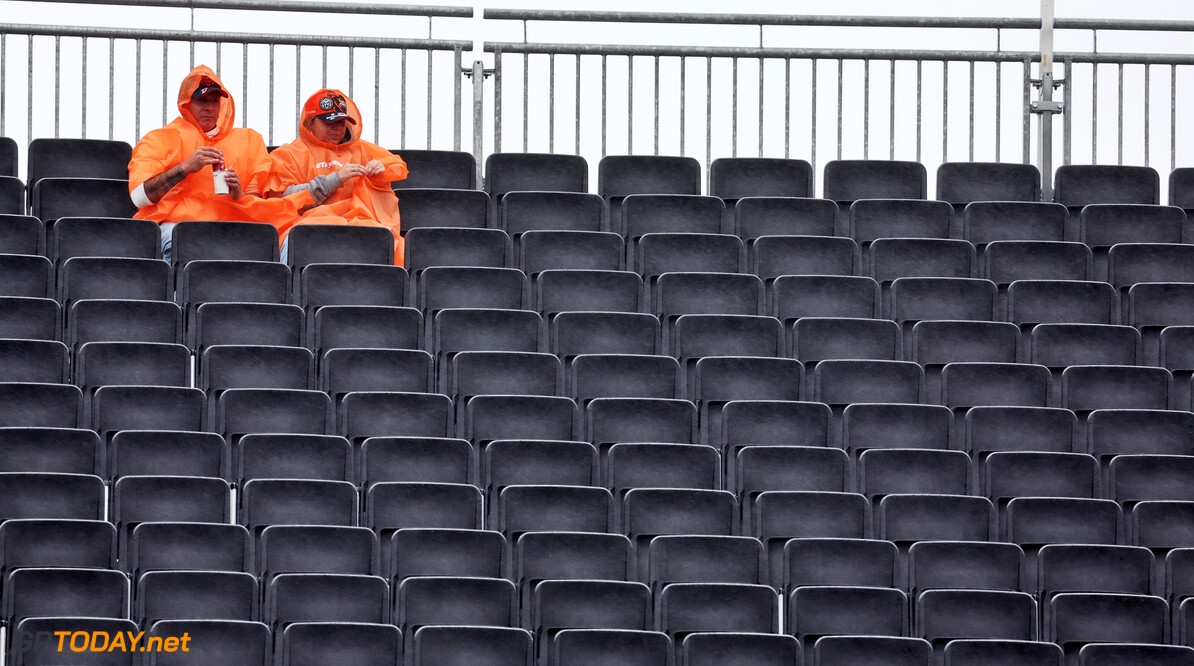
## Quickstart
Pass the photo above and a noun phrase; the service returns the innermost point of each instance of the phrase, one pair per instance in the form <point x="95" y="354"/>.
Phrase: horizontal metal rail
<point x="282" y="6"/>
<point x="755" y="52"/>
<point x="233" y="37"/>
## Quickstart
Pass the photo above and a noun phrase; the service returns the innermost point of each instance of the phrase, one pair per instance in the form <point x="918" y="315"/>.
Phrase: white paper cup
<point x="219" y="182"/>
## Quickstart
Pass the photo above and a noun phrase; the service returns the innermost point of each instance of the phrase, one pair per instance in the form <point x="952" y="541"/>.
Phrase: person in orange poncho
<point x="348" y="177"/>
<point x="171" y="172"/>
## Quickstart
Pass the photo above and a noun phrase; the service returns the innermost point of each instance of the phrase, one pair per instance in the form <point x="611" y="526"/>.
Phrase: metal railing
<point x="883" y="96"/>
<point x="394" y="80"/>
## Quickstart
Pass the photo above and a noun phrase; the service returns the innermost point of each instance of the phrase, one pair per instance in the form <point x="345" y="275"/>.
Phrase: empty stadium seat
<point x="30" y="318"/>
<point x="340" y="643"/>
<point x="871" y="651"/>
<point x="790" y="297"/>
<point x="56" y="197"/>
<point x="815" y="611"/>
<point x="509" y="172"/>
<point x="621" y="175"/>
<point x="113" y="278"/>
<point x="216" y="641"/>
<point x="437" y="168"/>
<point x="141" y="499"/>
<point x="435" y="207"/>
<point x="196" y="595"/>
<point x="364" y="326"/>
<point x="783" y="216"/>
<point x="40" y="361"/>
<point x="65" y="450"/>
<point x="944" y="615"/>
<point x="519" y="212"/>
<point x="462" y="646"/>
<point x="292" y="456"/>
<point x="157" y="546"/>
<point x="103" y="320"/>
<point x="967" y="182"/>
<point x="115" y="408"/>
<point x="822" y="561"/>
<point x="490" y="417"/>
<point x="964" y="565"/>
<point x="539" y="251"/>
<point x="394" y="506"/>
<point x="203" y="281"/>
<point x="732" y="179"/>
<point x="19" y="233"/>
<point x="447" y="246"/>
<point x="12" y="201"/>
<point x="849" y="180"/>
<point x="1076" y="185"/>
<point x="224" y="241"/>
<point x="445" y="552"/>
<point x="283" y="549"/>
<point x="338" y="244"/>
<point x="103" y="237"/>
<point x="773" y="256"/>
<point x="1081" y="618"/>
<point x="874" y="218"/>
<point x="414" y="459"/>
<point x="167" y="452"/>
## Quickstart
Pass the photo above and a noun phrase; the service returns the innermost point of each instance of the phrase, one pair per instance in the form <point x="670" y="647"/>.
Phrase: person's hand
<point x="350" y="171"/>
<point x="374" y="168"/>
<point x="203" y="156"/>
<point x="233" y="182"/>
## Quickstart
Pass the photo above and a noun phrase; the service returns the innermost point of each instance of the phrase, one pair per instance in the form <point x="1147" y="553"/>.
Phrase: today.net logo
<point x="100" y="641"/>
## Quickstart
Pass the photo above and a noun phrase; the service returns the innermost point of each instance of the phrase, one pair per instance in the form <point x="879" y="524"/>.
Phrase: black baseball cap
<point x="206" y="87"/>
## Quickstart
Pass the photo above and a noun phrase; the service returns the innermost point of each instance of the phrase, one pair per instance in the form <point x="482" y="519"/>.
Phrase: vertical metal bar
<point x="891" y="129"/>
<point x="402" y="101"/>
<point x="762" y="63"/>
<point x="708" y="110"/>
<point x="83" y="128"/>
<point x="270" y="102"/>
<point x="526" y="78"/>
<point x="111" y="86"/>
<point x="1120" y="105"/>
<point x="683" y="99"/>
<point x="478" y="115"/>
<point x="655" y="106"/>
<point x="376" y="94"/>
<point x="352" y="75"/>
<point x="29" y="94"/>
<point x="192" y="43"/>
<point x="970" y="155"/>
<point x="323" y="56"/>
<point x="1027" y="123"/>
<point x="1067" y="125"/>
<point x="734" y="109"/>
<point x="919" y="104"/>
<point x="137" y="120"/>
<point x="604" y="102"/>
<point x="866" y="109"/>
<point x="244" y="66"/>
<point x="430" y="101"/>
<point x="3" y="72"/>
<point x="839" y="109"/>
<point x="298" y="80"/>
<point x="945" y="111"/>
<point x="57" y="81"/>
<point x="576" y="114"/>
<point x="497" y="101"/>
<point x="1172" y="117"/>
<point x="551" y="103"/>
<point x="219" y="61"/>
<point x="630" y="105"/>
<point x="457" y="101"/>
<point x="1148" y="77"/>
<point x="787" y="108"/>
<point x="1094" y="114"/>
<point x="813" y="118"/>
<point x="998" y="111"/>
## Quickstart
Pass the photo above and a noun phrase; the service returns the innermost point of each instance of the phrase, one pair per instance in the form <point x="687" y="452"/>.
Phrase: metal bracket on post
<point x="1045" y="106"/>
<point x="478" y="73"/>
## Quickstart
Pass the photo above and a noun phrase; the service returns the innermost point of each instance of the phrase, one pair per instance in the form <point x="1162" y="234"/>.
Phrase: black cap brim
<point x="336" y="115"/>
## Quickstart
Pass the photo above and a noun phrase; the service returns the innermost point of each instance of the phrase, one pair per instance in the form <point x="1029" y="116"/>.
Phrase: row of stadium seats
<point x="728" y="178"/>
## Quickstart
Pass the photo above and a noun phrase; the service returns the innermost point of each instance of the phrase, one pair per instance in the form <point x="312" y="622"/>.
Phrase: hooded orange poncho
<point x="367" y="200"/>
<point x="194" y="198"/>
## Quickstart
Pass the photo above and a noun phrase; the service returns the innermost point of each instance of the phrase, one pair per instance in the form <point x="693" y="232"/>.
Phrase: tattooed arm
<point x="156" y="187"/>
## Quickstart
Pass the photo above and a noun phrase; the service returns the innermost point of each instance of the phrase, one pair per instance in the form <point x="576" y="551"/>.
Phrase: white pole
<point x="1045" y="105"/>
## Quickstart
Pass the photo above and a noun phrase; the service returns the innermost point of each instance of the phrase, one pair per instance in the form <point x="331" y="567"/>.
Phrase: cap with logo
<point x="330" y="108"/>
<point x="207" y="87"/>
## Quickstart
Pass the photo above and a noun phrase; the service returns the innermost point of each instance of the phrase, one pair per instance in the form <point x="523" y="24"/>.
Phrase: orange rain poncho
<point x="366" y="200"/>
<point x="195" y="198"/>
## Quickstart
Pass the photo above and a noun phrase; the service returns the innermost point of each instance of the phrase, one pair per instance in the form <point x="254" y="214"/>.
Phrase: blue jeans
<point x="167" y="239"/>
